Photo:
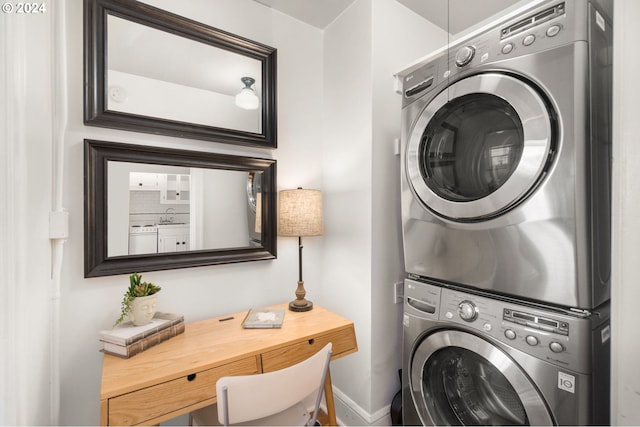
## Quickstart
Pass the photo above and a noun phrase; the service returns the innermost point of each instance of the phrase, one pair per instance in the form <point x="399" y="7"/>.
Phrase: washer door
<point x="479" y="147"/>
<point x="457" y="378"/>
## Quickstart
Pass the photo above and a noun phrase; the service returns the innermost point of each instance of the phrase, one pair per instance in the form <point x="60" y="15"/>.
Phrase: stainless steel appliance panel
<point x="530" y="216"/>
<point x="469" y="358"/>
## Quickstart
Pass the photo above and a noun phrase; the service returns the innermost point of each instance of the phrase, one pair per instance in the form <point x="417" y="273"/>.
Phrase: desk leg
<point x="104" y="412"/>
<point x="328" y="396"/>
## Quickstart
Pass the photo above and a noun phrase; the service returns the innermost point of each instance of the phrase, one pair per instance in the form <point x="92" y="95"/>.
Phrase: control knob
<point x="532" y="340"/>
<point x="467" y="311"/>
<point x="510" y="334"/>
<point x="556" y="347"/>
<point x="465" y="55"/>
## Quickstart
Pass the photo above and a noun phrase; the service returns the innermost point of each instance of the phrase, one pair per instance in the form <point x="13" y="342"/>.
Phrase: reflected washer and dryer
<point x="473" y="360"/>
<point x="506" y="154"/>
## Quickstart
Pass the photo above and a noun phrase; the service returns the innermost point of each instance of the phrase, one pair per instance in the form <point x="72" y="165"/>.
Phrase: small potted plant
<point x="139" y="301"/>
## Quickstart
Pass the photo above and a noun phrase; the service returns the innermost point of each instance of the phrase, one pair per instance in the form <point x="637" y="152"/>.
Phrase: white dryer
<point x="474" y="360"/>
<point x="506" y="157"/>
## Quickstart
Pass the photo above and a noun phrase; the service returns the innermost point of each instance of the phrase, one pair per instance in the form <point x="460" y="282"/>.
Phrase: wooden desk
<point x="179" y="375"/>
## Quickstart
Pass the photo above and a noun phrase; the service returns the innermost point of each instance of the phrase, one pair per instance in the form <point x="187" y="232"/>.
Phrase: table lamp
<point x="300" y="214"/>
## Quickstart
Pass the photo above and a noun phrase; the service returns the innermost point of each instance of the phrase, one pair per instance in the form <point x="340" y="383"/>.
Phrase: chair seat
<point x="297" y="415"/>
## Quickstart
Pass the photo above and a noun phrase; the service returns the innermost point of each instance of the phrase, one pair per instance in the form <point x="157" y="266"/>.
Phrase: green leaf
<point x="137" y="288"/>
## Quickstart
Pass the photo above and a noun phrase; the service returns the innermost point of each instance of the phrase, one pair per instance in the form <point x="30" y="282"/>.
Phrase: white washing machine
<point x="506" y="145"/>
<point x="470" y="359"/>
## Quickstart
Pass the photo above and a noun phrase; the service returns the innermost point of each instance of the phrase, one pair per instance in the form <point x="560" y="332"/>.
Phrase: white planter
<point x="143" y="309"/>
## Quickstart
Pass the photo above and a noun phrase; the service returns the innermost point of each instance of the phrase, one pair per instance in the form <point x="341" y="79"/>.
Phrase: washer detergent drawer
<point x="145" y="405"/>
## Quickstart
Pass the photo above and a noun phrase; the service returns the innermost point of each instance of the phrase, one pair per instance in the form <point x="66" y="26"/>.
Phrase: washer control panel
<point x="544" y="334"/>
<point x="554" y="335"/>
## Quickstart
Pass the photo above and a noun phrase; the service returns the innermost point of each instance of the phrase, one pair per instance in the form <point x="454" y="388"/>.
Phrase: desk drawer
<point x="146" y="404"/>
<point x="344" y="342"/>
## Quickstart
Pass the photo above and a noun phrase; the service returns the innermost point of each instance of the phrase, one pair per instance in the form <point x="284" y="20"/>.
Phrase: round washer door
<point x="457" y="378"/>
<point x="479" y="147"/>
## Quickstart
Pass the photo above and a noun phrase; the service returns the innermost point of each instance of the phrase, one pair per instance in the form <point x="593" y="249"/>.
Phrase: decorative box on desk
<point x="179" y="375"/>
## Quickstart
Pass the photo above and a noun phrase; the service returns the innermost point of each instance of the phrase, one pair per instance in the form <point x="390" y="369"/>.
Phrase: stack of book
<point x="127" y="340"/>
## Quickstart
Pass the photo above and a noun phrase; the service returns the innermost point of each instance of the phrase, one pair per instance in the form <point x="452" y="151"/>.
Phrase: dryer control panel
<point x="544" y="26"/>
<point x="543" y="334"/>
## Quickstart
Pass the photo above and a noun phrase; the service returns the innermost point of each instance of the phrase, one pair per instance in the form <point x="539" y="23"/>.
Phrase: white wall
<point x="394" y="46"/>
<point x="225" y="204"/>
<point x="146" y="96"/>
<point x="346" y="178"/>
<point x="362" y="254"/>
<point x="625" y="294"/>
<point x="26" y="131"/>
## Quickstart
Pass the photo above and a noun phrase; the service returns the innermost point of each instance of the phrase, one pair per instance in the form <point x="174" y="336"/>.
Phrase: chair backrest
<point x="245" y="398"/>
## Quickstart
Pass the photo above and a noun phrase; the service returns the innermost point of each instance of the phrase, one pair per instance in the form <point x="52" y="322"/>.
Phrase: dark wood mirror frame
<point x="97" y="154"/>
<point x="95" y="72"/>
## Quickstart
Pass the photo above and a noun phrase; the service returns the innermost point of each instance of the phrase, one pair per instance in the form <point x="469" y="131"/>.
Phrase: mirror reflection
<point x="160" y="209"/>
<point x="149" y="70"/>
<point x="155" y="73"/>
<point x="151" y="208"/>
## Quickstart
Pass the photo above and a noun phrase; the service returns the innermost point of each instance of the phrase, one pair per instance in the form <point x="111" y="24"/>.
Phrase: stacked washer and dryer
<point x="506" y="201"/>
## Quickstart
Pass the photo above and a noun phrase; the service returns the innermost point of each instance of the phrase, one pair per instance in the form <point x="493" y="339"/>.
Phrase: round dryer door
<point x="457" y="378"/>
<point x="479" y="147"/>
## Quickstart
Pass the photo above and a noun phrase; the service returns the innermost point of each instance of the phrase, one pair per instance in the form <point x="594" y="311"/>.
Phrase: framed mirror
<point x="151" y="208"/>
<point x="149" y="70"/>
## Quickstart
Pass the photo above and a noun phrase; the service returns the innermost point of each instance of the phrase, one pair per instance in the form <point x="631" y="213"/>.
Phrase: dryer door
<point x="457" y="378"/>
<point x="479" y="147"/>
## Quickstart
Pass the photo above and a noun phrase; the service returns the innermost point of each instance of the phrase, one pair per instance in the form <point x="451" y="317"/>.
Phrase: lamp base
<point x="300" y="303"/>
<point x="306" y="307"/>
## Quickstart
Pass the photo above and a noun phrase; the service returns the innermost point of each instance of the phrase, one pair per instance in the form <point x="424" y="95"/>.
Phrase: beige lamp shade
<point x="300" y="212"/>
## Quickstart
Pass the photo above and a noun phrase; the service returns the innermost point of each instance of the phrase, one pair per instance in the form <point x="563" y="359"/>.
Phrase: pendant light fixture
<point x="247" y="98"/>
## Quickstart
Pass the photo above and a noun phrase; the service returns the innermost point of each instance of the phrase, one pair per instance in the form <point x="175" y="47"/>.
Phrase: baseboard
<point x="349" y="413"/>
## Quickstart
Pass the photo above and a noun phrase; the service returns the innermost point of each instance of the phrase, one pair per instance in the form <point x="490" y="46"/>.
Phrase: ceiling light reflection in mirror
<point x="154" y="73"/>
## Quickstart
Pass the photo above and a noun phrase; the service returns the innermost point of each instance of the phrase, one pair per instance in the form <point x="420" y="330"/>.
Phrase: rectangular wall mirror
<point x="150" y="208"/>
<point x="152" y="71"/>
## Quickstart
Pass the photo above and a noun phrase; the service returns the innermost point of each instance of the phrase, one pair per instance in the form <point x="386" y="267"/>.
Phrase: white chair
<point x="272" y="398"/>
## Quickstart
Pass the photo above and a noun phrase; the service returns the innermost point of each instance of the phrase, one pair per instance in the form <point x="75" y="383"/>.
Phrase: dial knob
<point x="465" y="55"/>
<point x="556" y="347"/>
<point x="467" y="311"/>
